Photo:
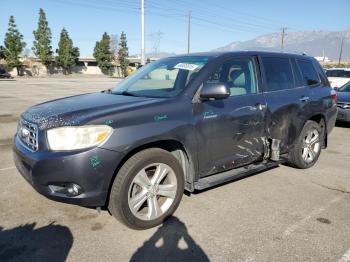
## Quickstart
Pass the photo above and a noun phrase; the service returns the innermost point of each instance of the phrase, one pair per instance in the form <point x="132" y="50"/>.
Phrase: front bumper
<point x="93" y="170"/>
<point x="343" y="115"/>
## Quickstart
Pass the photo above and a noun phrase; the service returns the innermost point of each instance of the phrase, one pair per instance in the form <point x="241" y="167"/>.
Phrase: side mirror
<point x="214" y="91"/>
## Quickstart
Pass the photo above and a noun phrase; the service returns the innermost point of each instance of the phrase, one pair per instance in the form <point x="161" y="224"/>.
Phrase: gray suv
<point x="181" y="123"/>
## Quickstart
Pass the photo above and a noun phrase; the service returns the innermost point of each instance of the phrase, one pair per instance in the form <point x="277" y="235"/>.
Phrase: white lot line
<point x="345" y="257"/>
<point x="7" y="168"/>
<point x="306" y="219"/>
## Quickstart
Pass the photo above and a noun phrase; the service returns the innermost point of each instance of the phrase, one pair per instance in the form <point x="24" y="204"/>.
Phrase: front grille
<point x="28" y="134"/>
<point x="343" y="105"/>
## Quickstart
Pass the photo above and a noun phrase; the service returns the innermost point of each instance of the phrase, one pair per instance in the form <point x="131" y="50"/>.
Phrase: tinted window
<point x="308" y="71"/>
<point x="321" y="74"/>
<point x="297" y="75"/>
<point x="278" y="73"/>
<point x="238" y="74"/>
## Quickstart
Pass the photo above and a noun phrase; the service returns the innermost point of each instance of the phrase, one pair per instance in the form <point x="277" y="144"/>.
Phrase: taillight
<point x="334" y="97"/>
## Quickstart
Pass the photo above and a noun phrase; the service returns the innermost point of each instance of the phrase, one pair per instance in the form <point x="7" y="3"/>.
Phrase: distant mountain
<point x="311" y="42"/>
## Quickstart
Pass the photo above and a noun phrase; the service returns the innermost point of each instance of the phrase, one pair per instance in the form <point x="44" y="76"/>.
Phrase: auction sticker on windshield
<point x="186" y="66"/>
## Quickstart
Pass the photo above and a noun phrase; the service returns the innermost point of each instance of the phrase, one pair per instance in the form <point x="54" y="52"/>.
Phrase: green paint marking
<point x="109" y="122"/>
<point x="94" y="161"/>
<point x="160" y="117"/>
<point x="208" y="113"/>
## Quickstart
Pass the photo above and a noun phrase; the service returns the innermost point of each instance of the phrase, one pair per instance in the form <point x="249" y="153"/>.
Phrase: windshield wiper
<point x="107" y="91"/>
<point x="126" y="93"/>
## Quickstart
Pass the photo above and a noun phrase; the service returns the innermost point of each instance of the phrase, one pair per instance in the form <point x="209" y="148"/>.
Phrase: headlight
<point x="72" y="138"/>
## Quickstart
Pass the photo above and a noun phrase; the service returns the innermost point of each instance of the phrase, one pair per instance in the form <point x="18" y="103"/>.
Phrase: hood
<point x="78" y="109"/>
<point x="343" y="96"/>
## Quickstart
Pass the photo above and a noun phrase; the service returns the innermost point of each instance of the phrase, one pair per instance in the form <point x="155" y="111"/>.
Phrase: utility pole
<point x="142" y="32"/>
<point x="189" y="32"/>
<point x="341" y="49"/>
<point x="283" y="34"/>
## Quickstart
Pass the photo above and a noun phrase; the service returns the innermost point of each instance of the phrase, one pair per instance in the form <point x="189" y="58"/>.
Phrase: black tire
<point x="295" y="157"/>
<point x="118" y="199"/>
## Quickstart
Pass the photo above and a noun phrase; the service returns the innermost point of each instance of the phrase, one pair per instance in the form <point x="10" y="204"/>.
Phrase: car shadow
<point x="31" y="243"/>
<point x="171" y="242"/>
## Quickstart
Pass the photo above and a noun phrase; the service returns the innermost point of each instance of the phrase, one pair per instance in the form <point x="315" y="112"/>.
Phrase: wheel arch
<point x="171" y="145"/>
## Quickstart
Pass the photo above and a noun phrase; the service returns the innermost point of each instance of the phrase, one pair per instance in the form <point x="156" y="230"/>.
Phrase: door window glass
<point x="238" y="74"/>
<point x="278" y="73"/>
<point x="297" y="74"/>
<point x="321" y="74"/>
<point x="308" y="71"/>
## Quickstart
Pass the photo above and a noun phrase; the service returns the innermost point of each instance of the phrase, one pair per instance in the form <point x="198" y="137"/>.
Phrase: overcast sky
<point x="214" y="23"/>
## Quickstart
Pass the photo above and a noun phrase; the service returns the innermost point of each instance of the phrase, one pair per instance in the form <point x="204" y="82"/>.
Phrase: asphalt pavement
<point x="283" y="214"/>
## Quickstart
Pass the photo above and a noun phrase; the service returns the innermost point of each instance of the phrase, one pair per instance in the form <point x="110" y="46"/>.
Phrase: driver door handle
<point x="304" y="99"/>
<point x="260" y="106"/>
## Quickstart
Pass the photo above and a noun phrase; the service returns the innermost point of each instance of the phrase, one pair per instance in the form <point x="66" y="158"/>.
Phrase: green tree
<point x="2" y="52"/>
<point x="14" y="45"/>
<point x="123" y="53"/>
<point x="67" y="54"/>
<point x="42" y="44"/>
<point x="103" y="55"/>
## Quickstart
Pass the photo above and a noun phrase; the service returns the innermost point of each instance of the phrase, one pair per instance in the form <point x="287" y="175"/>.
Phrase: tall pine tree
<point x="103" y="55"/>
<point x="42" y="44"/>
<point x="67" y="54"/>
<point x="123" y="53"/>
<point x="14" y="45"/>
<point x="2" y="52"/>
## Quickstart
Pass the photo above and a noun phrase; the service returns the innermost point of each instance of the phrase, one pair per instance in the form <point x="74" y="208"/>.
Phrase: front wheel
<point x="147" y="189"/>
<point x="308" y="147"/>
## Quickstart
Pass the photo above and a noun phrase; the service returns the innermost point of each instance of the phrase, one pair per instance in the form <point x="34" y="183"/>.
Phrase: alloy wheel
<point x="311" y="145"/>
<point x="152" y="191"/>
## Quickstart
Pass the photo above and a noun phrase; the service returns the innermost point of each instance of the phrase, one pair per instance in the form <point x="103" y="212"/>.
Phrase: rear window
<point x="321" y="74"/>
<point x="308" y="71"/>
<point x="278" y="73"/>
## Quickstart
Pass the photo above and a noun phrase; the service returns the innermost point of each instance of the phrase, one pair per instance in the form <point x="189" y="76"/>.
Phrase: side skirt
<point x="234" y="174"/>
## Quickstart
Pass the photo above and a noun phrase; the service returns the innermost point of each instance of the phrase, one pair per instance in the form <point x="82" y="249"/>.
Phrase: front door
<point x="232" y="130"/>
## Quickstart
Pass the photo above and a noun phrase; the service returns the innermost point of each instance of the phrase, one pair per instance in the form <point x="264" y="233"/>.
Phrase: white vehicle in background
<point x="338" y="76"/>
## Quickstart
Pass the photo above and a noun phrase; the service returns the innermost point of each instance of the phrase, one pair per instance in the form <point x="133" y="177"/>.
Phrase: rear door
<point x="286" y="98"/>
<point x="231" y="131"/>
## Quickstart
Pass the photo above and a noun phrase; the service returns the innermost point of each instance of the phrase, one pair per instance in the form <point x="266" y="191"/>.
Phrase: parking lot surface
<point x="283" y="214"/>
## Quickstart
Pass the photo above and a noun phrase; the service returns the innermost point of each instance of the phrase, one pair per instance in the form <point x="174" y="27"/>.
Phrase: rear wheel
<point x="147" y="189"/>
<point x="308" y="147"/>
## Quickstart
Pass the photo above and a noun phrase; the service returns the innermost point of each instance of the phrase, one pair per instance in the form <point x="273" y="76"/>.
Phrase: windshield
<point x="163" y="78"/>
<point x="345" y="88"/>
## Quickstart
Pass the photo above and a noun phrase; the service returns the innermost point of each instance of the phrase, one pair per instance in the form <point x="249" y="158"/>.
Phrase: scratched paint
<point x="95" y="161"/>
<point x="160" y="117"/>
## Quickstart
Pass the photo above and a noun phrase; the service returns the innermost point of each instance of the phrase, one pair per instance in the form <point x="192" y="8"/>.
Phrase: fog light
<point x="74" y="189"/>
<point x="69" y="189"/>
